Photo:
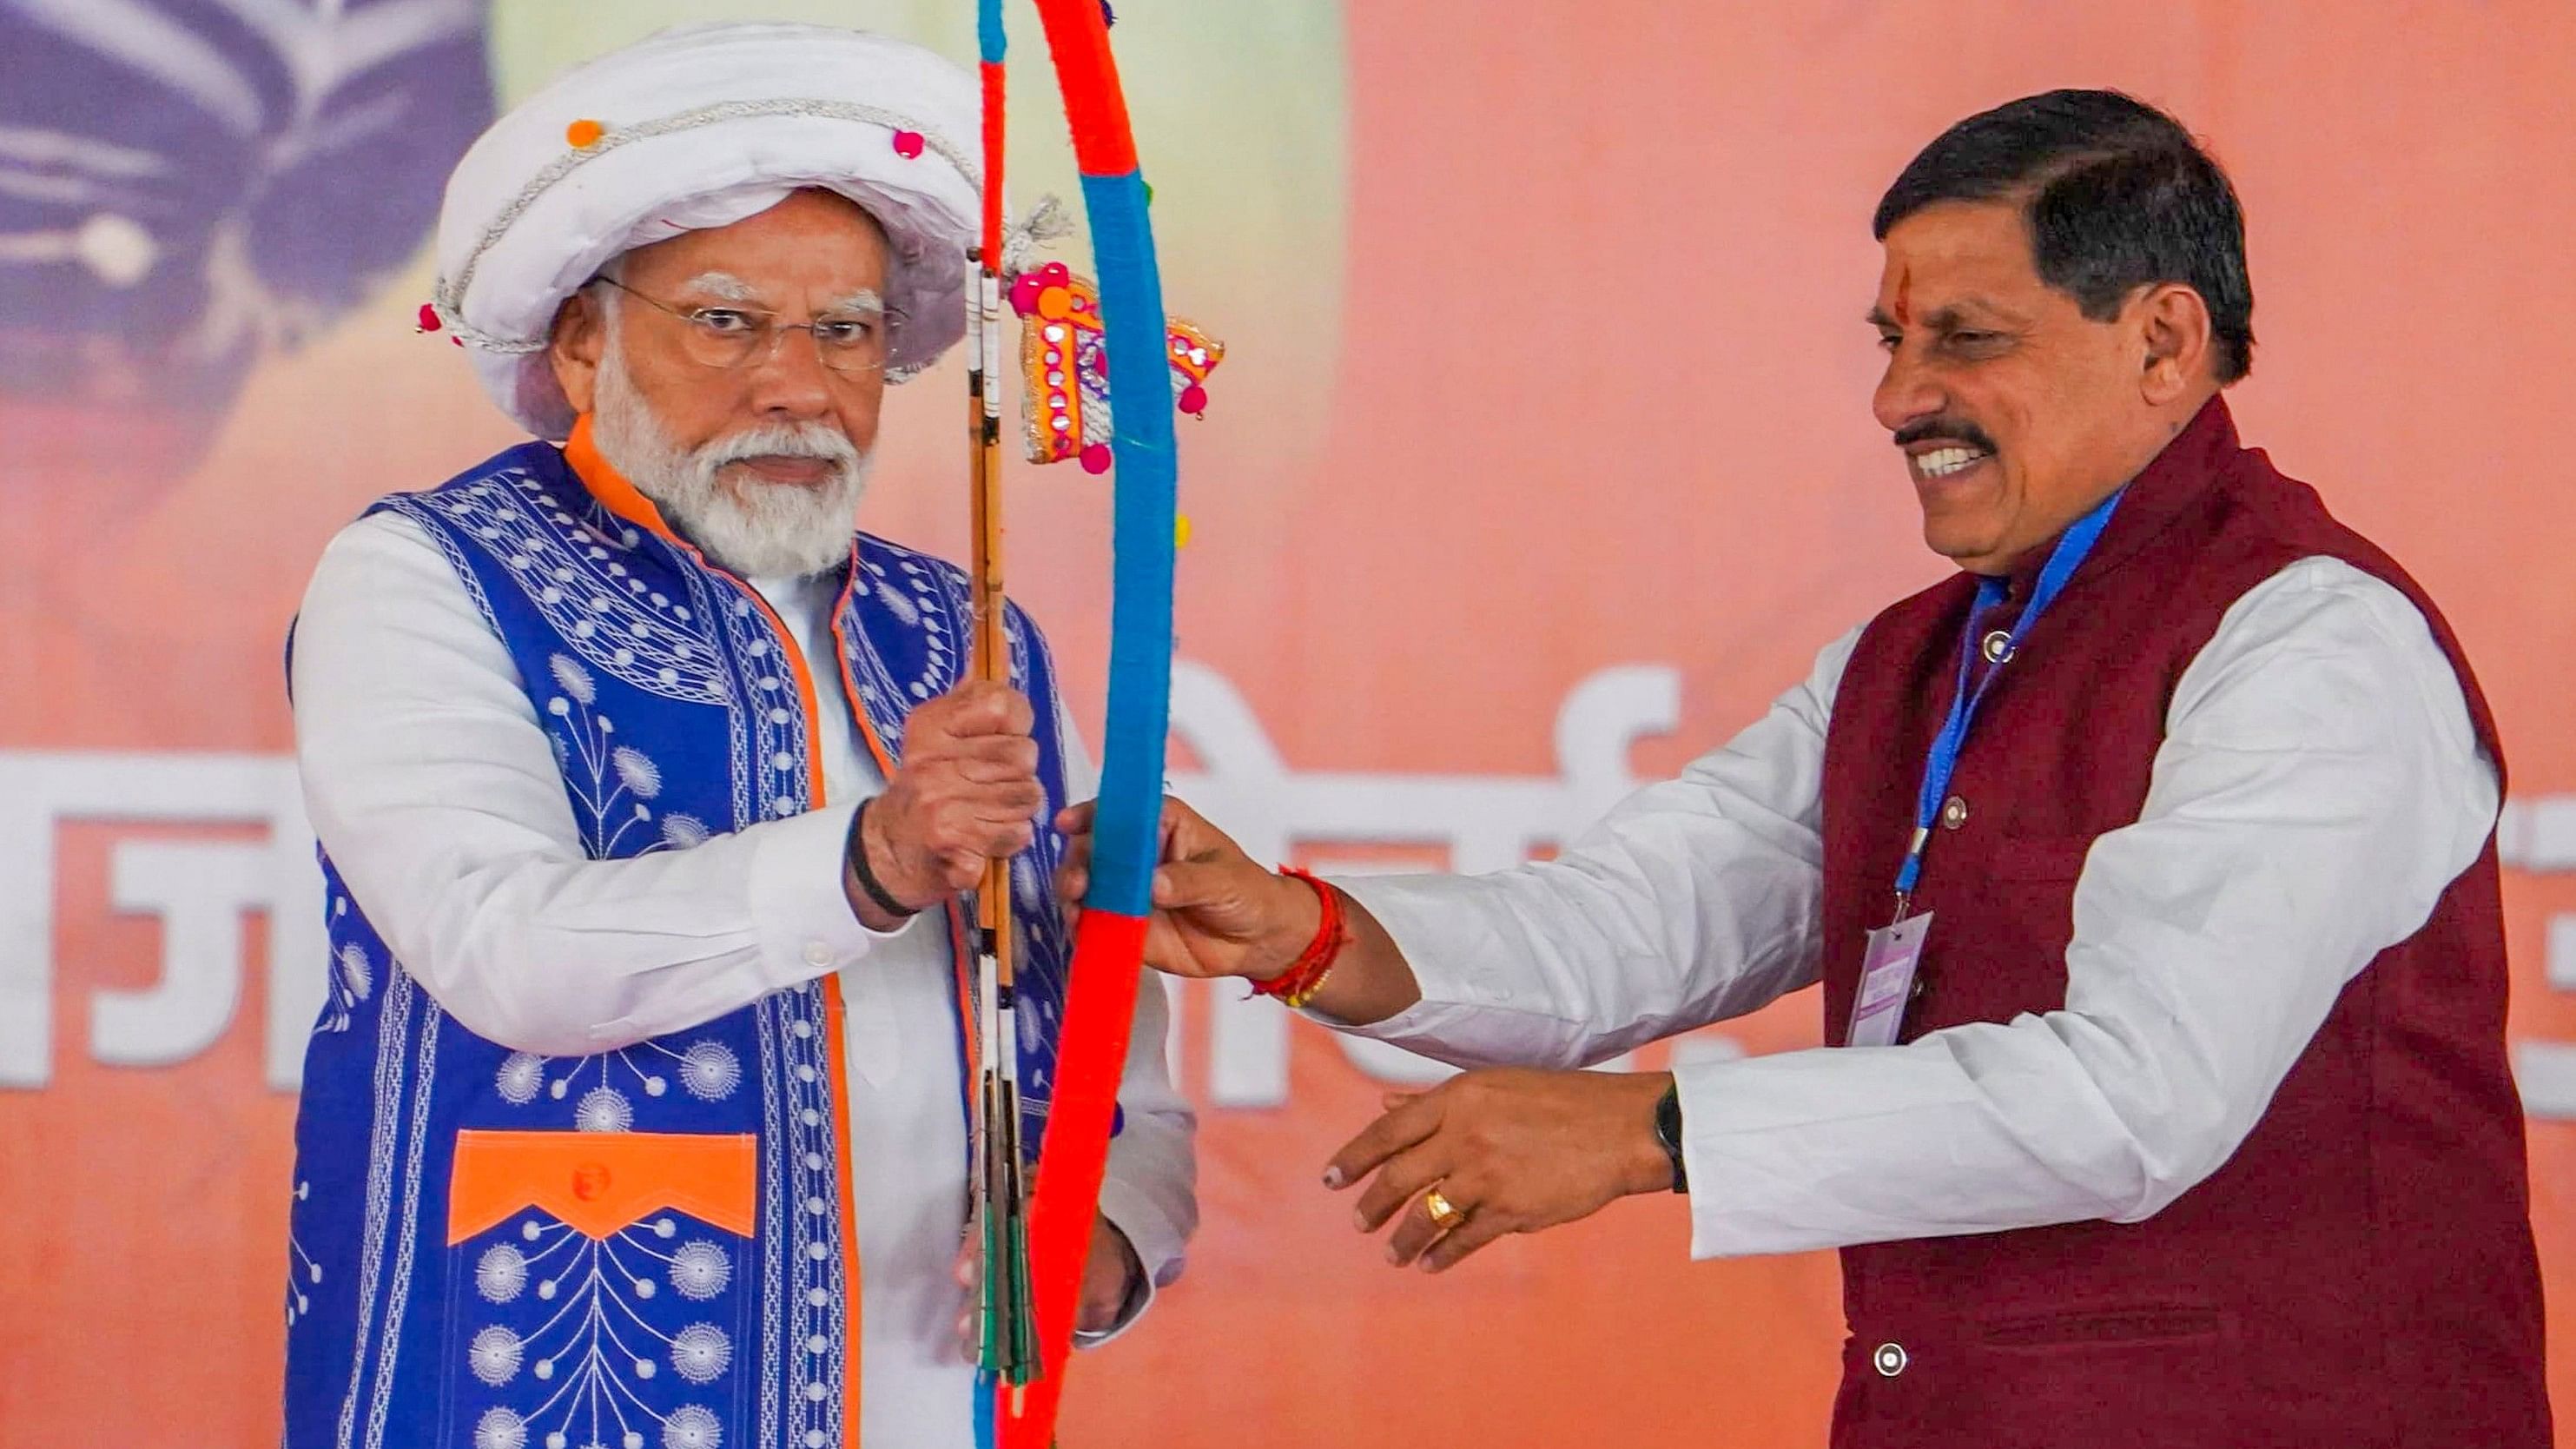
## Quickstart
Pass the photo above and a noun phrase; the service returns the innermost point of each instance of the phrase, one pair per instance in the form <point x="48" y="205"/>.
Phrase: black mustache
<point x="1956" y="430"/>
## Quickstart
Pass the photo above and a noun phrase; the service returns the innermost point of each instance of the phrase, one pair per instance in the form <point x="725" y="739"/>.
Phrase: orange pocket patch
<point x="598" y="1183"/>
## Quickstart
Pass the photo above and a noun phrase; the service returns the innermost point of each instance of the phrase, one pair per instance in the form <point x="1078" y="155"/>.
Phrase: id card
<point x="1887" y="981"/>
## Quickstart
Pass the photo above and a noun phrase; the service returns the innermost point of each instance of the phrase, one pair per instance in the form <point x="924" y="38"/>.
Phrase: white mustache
<point x="781" y="440"/>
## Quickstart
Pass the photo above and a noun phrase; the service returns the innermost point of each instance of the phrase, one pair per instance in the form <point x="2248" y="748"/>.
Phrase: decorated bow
<point x="1030" y="1319"/>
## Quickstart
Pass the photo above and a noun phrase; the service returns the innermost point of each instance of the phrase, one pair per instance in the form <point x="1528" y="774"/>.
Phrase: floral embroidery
<point x="700" y="1270"/>
<point x="710" y="1070"/>
<point x="501" y="1274"/>
<point x="707" y="1070"/>
<point x="351" y="979"/>
<point x="612" y="785"/>
<point x="592" y="1353"/>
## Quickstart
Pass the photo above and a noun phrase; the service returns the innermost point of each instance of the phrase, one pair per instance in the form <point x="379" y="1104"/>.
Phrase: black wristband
<point x="855" y="850"/>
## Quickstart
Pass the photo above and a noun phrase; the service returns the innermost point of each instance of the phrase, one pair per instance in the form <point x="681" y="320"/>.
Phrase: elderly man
<point x="647" y="792"/>
<point x="2147" y="866"/>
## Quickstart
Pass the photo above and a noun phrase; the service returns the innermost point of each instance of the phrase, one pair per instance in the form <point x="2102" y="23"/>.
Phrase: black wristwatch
<point x="1668" y="1131"/>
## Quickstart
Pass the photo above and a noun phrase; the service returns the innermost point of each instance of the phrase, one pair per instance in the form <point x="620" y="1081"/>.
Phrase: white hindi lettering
<point x="201" y="892"/>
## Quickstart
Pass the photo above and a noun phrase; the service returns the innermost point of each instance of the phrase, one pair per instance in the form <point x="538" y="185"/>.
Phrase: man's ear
<point x="574" y="347"/>
<point x="2175" y="341"/>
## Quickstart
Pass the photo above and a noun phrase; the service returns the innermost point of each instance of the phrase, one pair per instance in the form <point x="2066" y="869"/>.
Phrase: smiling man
<point x="647" y="787"/>
<point x="2147" y="865"/>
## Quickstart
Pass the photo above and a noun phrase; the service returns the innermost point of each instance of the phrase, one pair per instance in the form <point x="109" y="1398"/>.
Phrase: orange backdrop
<point x="1547" y="360"/>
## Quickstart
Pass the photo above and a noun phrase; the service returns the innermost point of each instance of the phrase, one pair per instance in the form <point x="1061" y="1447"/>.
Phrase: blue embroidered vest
<point x="652" y="1245"/>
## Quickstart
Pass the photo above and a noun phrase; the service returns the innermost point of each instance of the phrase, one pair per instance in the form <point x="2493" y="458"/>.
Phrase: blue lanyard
<point x="2072" y="546"/>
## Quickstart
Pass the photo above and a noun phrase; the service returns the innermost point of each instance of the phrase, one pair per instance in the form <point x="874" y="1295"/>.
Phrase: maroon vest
<point x="2361" y="1271"/>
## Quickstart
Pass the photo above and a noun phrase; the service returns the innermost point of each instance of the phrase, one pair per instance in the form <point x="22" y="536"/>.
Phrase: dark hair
<point x="2116" y="195"/>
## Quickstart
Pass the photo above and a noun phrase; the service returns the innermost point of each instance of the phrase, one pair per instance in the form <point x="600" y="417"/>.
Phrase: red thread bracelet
<point x="1297" y="985"/>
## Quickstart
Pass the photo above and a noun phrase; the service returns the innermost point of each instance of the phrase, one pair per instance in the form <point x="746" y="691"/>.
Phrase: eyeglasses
<point x="735" y="336"/>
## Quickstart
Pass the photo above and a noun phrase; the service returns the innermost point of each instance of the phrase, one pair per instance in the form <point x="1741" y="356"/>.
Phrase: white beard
<point x="752" y="529"/>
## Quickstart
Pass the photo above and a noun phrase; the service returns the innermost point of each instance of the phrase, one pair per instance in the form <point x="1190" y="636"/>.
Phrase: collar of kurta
<point x="609" y="486"/>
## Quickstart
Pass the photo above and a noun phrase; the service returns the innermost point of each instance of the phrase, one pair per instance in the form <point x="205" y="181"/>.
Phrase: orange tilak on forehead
<point x="1903" y="315"/>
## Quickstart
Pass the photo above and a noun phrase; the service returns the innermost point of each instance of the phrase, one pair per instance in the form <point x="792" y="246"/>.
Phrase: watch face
<point x="1668" y="1130"/>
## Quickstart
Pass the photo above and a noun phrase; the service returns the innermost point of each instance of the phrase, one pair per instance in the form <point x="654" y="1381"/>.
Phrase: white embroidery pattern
<point x="520" y="1077"/>
<point x="707" y="1069"/>
<point x="494" y="1355"/>
<point x="604" y="1109"/>
<point x="700" y="1270"/>
<point x="501" y="1274"/>
<point x="594" y="1348"/>
<point x="776" y="714"/>
<point x="701" y="1353"/>
<point x="1042" y="993"/>
<point x="570" y="558"/>
<point x="574" y="573"/>
<point x="773" y="1258"/>
<point x="500" y="1429"/>
<point x="612" y="785"/>
<point x="803" y="1283"/>
<point x="351" y="979"/>
<point x="691" y="1427"/>
<point x="917" y="591"/>
<point x="301" y="1271"/>
<point x="408" y="1211"/>
<point x="393" y="1026"/>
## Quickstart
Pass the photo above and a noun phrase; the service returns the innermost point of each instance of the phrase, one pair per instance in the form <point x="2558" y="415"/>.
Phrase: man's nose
<point x="1907" y="392"/>
<point x="787" y="375"/>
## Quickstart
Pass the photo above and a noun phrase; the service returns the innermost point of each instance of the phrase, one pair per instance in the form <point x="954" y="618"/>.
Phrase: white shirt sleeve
<point x="1150" y="1192"/>
<point x="437" y="795"/>
<point x="2318" y="788"/>
<point x="1692" y="901"/>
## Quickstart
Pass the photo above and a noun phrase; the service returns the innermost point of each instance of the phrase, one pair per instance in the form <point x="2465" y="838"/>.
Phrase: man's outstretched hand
<point x="1513" y="1150"/>
<point x="1216" y="911"/>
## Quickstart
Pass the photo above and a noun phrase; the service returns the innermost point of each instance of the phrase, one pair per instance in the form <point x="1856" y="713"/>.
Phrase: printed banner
<point x="1540" y="460"/>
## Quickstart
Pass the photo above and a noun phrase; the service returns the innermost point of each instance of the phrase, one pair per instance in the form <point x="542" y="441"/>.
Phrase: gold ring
<point x="1444" y="1213"/>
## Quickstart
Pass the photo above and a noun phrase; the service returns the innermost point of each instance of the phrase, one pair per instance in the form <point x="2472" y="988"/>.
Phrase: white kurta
<point x="430" y="782"/>
<point x="2318" y="787"/>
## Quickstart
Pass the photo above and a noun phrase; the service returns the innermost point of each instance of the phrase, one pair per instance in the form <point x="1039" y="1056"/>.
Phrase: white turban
<point x="701" y="126"/>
